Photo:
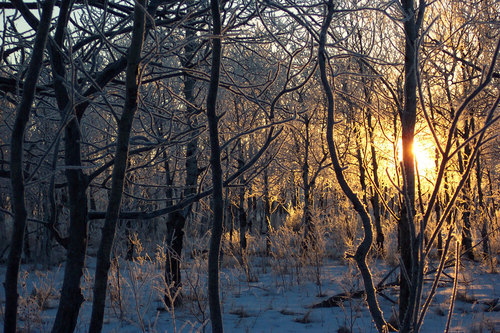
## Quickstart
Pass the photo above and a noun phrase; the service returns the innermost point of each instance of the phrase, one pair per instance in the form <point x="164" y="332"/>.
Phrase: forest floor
<point x="270" y="296"/>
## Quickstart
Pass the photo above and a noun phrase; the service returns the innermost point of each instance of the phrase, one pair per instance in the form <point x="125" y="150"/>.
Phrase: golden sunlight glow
<point x="425" y="157"/>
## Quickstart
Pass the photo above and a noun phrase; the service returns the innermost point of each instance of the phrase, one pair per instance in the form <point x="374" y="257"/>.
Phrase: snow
<point x="275" y="301"/>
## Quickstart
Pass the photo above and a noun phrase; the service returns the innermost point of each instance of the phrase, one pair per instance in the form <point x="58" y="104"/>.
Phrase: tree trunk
<point x="52" y="212"/>
<point x="175" y="236"/>
<point x="361" y="168"/>
<point x="177" y="221"/>
<point x="482" y="209"/>
<point x="4" y="237"/>
<point x="407" y="233"/>
<point x="242" y="216"/>
<point x="71" y="295"/>
<point x="17" y="168"/>
<point x="266" y="222"/>
<point x="119" y="169"/>
<point x="375" y="200"/>
<point x="307" y="183"/>
<point x="242" y="219"/>
<point x="252" y="207"/>
<point x="364" y="247"/>
<point x="215" y="163"/>
<point x="466" y="191"/>
<point x="172" y="264"/>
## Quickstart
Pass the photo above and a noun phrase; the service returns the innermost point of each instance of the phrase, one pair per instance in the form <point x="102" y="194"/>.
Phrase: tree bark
<point x="215" y="163"/>
<point x="242" y="216"/>
<point x="407" y="234"/>
<point x="266" y="222"/>
<point x="71" y="295"/>
<point x="466" y="205"/>
<point x="482" y="209"/>
<point x="175" y="236"/>
<point x="120" y="167"/>
<point x="17" y="167"/>
<point x="375" y="200"/>
<point x="309" y="240"/>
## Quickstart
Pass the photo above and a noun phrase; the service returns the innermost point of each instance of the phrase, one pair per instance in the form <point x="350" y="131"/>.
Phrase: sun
<point x="424" y="156"/>
<point x="424" y="152"/>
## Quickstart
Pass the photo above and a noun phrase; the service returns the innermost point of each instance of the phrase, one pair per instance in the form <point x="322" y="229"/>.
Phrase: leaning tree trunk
<point x="375" y="198"/>
<point x="120" y="167"/>
<point x="217" y="197"/>
<point x="364" y="247"/>
<point x="16" y="168"/>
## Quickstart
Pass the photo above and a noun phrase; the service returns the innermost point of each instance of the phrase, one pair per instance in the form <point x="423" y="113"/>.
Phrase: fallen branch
<point x="339" y="299"/>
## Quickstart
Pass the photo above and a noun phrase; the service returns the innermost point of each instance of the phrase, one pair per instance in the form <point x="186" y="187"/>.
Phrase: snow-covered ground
<point x="277" y="299"/>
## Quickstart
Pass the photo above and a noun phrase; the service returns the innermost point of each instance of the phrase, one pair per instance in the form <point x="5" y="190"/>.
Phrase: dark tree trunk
<point x="361" y="168"/>
<point x="17" y="167"/>
<point x="4" y="237"/>
<point x="375" y="200"/>
<point x="177" y="221"/>
<point x="437" y="206"/>
<point x="52" y="212"/>
<point x="242" y="216"/>
<point x="119" y="169"/>
<point x="482" y="209"/>
<point x="71" y="295"/>
<point x="215" y="163"/>
<point x="293" y="190"/>
<point x="266" y="222"/>
<point x="130" y="244"/>
<point x="175" y="236"/>
<point x="251" y="204"/>
<point x="171" y="265"/>
<point x="437" y="209"/>
<point x="364" y="247"/>
<point x="308" y="185"/>
<point x="26" y="245"/>
<point x="407" y="241"/>
<point x="466" y="192"/>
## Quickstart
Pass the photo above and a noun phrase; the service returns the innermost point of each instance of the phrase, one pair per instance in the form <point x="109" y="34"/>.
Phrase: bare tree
<point x="406" y="224"/>
<point x="133" y="78"/>
<point x="364" y="247"/>
<point x="215" y="163"/>
<point x="17" y="168"/>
